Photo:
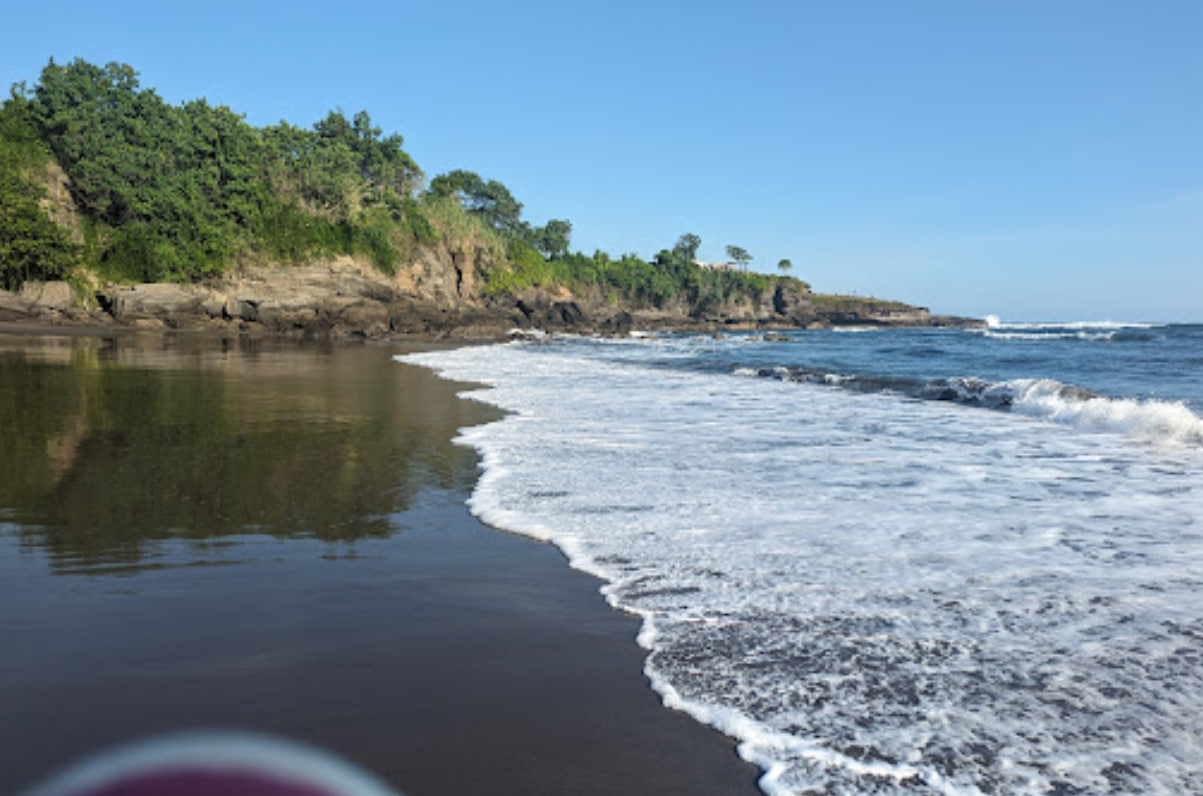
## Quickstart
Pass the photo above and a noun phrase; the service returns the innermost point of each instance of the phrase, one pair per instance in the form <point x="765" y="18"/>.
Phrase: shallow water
<point x="236" y="533"/>
<point x="120" y="450"/>
<point x="875" y="588"/>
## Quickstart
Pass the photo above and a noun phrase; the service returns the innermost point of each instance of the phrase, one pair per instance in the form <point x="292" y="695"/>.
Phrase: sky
<point x="1031" y="159"/>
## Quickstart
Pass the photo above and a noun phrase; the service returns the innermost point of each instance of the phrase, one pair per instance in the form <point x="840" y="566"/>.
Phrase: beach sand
<point x="272" y="537"/>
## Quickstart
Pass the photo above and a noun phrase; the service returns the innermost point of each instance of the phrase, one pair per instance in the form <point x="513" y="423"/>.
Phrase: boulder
<point x="619" y="323"/>
<point x="59" y="295"/>
<point x="158" y="301"/>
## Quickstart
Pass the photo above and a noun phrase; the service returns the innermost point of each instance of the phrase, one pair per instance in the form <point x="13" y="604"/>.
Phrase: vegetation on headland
<point x="161" y="192"/>
<point x="837" y="303"/>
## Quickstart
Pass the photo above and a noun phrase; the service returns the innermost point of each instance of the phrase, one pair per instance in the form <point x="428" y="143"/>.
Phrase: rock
<point x="569" y="313"/>
<point x="619" y="323"/>
<point x="13" y="308"/>
<point x="59" y="295"/>
<point x="241" y="309"/>
<point x="157" y="301"/>
<point x="214" y="307"/>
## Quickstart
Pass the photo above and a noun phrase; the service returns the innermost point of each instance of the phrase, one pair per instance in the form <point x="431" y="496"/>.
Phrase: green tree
<point x="174" y="185"/>
<point x="111" y="137"/>
<point x="784" y="265"/>
<point x="739" y="255"/>
<point x="687" y="246"/>
<point x="553" y="239"/>
<point x="490" y="201"/>
<point x="380" y="165"/>
<point x="176" y="191"/>
<point x="384" y="166"/>
<point x="32" y="246"/>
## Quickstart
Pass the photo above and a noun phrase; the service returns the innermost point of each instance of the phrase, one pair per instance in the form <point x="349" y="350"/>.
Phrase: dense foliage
<point x="32" y="246"/>
<point x="181" y="192"/>
<point x="670" y="277"/>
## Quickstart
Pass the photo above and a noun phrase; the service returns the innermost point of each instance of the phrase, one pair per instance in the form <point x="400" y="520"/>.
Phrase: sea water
<point x="948" y="561"/>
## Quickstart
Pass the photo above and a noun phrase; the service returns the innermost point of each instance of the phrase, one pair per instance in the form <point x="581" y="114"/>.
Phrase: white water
<point x="1152" y="421"/>
<point x="994" y="322"/>
<point x="873" y="594"/>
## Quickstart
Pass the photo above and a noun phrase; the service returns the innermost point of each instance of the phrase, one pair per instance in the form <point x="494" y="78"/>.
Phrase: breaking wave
<point x="1147" y="420"/>
<point x="1087" y="331"/>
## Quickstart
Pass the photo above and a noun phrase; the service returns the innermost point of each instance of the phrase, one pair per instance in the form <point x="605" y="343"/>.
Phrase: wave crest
<point x="1155" y="421"/>
<point x="1148" y="420"/>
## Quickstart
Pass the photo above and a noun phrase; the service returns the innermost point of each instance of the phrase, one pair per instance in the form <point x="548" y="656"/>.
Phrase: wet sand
<point x="282" y="546"/>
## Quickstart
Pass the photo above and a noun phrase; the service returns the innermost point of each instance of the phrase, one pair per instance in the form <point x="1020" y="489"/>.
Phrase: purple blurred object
<point x="207" y="763"/>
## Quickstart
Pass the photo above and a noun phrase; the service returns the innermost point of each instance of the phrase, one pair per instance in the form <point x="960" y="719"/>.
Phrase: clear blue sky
<point x="1034" y="159"/>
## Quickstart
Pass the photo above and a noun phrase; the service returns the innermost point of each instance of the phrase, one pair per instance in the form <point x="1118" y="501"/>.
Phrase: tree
<point x="739" y="255"/>
<point x="491" y="200"/>
<point x="784" y="266"/>
<point x="32" y="246"/>
<point x="113" y="138"/>
<point x="175" y="192"/>
<point x="552" y="239"/>
<point x="383" y="164"/>
<point x="687" y="246"/>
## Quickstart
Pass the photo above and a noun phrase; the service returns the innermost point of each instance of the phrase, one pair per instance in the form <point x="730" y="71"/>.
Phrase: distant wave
<point x="1088" y="331"/>
<point x="1124" y="335"/>
<point x="994" y="322"/>
<point x="1149" y="420"/>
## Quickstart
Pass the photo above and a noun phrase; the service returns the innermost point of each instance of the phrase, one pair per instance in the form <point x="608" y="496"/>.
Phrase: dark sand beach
<point x="236" y="533"/>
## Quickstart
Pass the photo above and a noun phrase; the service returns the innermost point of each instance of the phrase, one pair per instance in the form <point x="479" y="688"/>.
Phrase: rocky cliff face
<point x="447" y="277"/>
<point x="436" y="296"/>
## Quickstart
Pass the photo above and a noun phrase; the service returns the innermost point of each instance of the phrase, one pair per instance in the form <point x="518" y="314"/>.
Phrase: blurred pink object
<point x="207" y="763"/>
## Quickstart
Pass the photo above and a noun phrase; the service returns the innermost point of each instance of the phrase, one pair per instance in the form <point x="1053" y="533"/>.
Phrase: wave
<point x="1088" y="331"/>
<point x="1147" y="420"/>
<point x="994" y="322"/>
<point x="1155" y="421"/>
<point x="1111" y="336"/>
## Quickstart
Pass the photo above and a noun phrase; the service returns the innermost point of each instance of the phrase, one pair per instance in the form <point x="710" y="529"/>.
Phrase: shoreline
<point x="445" y="656"/>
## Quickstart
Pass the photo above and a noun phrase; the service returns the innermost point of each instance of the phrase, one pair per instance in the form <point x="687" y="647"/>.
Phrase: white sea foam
<point x="527" y="334"/>
<point x="1091" y="331"/>
<point x="1066" y="334"/>
<point x="1154" y="421"/>
<point x="994" y="322"/>
<point x="871" y="594"/>
<point x="1160" y="422"/>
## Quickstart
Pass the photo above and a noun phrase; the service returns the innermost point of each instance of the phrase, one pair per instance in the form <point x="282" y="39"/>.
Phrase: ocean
<point x="925" y="561"/>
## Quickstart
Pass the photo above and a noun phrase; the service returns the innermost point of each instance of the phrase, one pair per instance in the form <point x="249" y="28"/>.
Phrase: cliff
<point x="437" y="296"/>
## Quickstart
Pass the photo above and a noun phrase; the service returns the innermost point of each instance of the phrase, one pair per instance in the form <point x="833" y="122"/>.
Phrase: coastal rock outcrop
<point x="50" y="304"/>
<point x="437" y="296"/>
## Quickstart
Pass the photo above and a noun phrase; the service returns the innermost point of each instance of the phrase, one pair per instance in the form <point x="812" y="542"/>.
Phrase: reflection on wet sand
<point x="115" y="445"/>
